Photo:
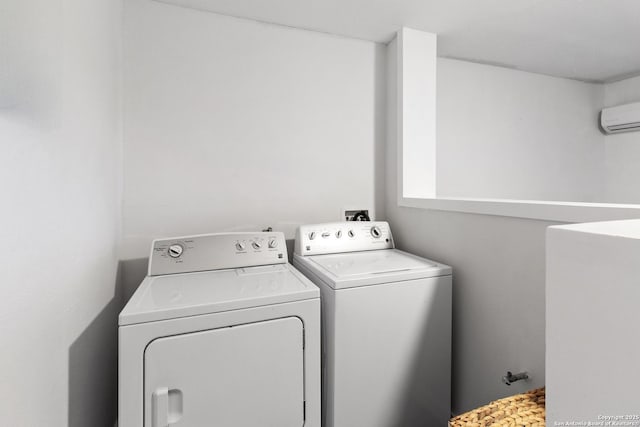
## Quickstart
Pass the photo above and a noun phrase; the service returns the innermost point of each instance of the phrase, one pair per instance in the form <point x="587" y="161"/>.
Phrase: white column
<point x="416" y="113"/>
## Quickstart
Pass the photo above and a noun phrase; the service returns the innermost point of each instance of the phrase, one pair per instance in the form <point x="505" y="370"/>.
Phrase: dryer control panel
<point x="337" y="237"/>
<point x="217" y="251"/>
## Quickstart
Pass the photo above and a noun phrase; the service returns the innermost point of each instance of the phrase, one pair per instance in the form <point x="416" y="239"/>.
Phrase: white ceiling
<point x="592" y="40"/>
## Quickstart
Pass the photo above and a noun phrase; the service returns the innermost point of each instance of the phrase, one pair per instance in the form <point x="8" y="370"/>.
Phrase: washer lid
<point x="346" y="270"/>
<point x="191" y="294"/>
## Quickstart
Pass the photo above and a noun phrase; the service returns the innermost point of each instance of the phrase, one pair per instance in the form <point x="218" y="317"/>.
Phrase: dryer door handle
<point x="166" y="406"/>
<point x="160" y="407"/>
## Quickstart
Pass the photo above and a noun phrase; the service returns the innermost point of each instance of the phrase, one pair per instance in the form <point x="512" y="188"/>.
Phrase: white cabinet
<point x="593" y="296"/>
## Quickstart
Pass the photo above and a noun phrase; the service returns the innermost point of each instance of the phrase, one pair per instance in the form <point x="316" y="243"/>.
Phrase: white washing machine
<point x="222" y="332"/>
<point x="386" y="318"/>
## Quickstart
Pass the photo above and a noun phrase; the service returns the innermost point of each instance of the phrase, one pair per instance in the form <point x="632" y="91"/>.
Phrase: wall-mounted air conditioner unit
<point x="623" y="118"/>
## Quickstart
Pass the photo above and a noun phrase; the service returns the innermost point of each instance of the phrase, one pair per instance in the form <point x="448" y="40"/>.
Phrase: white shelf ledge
<point x="530" y="209"/>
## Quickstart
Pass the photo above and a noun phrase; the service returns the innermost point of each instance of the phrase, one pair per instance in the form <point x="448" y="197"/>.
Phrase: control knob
<point x="351" y="233"/>
<point x="273" y="243"/>
<point x="240" y="246"/>
<point x="339" y="234"/>
<point x="375" y="232"/>
<point x="312" y="235"/>
<point x="175" y="251"/>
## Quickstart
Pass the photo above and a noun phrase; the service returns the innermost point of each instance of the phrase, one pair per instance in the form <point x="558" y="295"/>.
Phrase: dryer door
<point x="240" y="376"/>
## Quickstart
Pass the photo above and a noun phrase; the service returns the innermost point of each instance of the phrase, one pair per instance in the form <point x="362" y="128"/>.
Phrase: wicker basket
<point x="526" y="409"/>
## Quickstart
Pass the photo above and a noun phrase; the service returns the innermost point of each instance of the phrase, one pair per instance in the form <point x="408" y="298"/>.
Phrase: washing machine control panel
<point x="216" y="252"/>
<point x="339" y="237"/>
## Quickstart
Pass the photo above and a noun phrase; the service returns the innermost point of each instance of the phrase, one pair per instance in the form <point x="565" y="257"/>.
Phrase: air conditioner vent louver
<point x="629" y="126"/>
<point x="624" y="118"/>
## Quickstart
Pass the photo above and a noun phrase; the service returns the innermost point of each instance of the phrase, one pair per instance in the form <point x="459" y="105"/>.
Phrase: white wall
<point x="510" y="134"/>
<point x="622" y="151"/>
<point x="592" y="323"/>
<point x="60" y="175"/>
<point x="498" y="285"/>
<point x="235" y="124"/>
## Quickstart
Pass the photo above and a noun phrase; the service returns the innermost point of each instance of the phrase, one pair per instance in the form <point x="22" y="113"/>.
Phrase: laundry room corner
<point x="336" y="213"/>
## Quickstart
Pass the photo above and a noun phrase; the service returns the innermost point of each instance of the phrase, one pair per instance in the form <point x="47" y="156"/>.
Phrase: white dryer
<point x="386" y="335"/>
<point x="222" y="332"/>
